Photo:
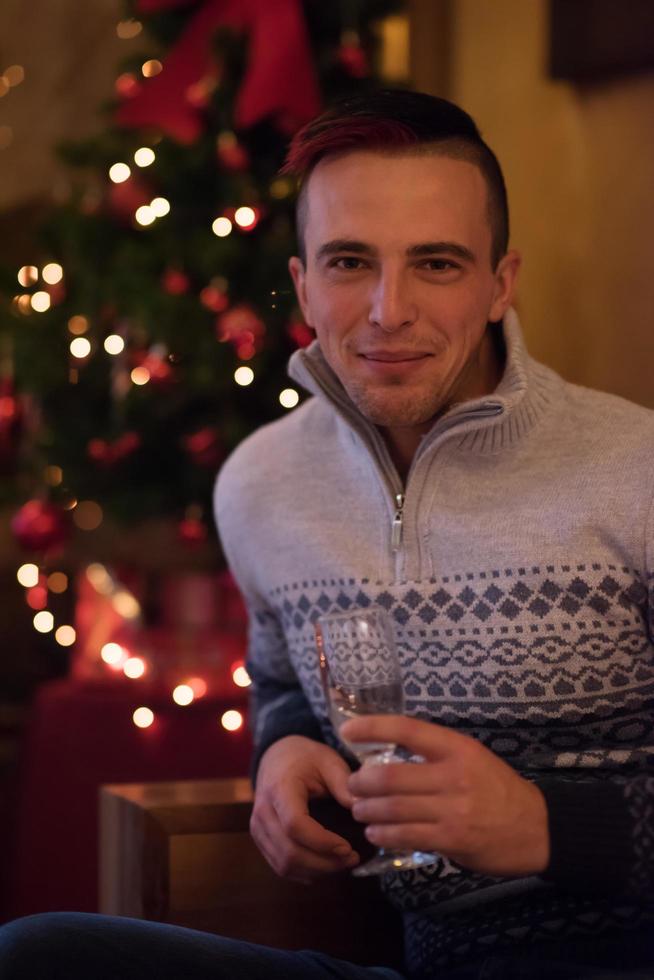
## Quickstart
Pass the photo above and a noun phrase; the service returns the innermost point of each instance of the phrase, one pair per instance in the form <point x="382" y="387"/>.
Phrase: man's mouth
<point x="393" y="357"/>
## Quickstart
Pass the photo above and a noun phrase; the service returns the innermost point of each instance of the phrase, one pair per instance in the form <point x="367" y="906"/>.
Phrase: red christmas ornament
<point x="107" y="453"/>
<point x="300" y="333"/>
<point x="126" y="198"/>
<point x="175" y="282"/>
<point x="204" y="447"/>
<point x="40" y="526"/>
<point x="192" y="531"/>
<point x="214" y="299"/>
<point x="352" y="59"/>
<point x="157" y="364"/>
<point x="11" y="418"/>
<point x="241" y="326"/>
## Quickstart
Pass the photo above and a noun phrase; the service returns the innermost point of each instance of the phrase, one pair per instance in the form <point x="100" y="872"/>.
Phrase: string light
<point x="88" y="515"/>
<point x="288" y="398"/>
<point x="78" y="324"/>
<point x="160" y="207"/>
<point x="183" y="694"/>
<point x="221" y="227"/>
<point x="28" y="575"/>
<point x="65" y="636"/>
<point x="240" y="675"/>
<point x="28" y="275"/>
<point x="151" y="68"/>
<point x="244" y="376"/>
<point x="113" y="654"/>
<point x="245" y="217"/>
<point x="57" y="582"/>
<point x="114" y="344"/>
<point x="232" y="720"/>
<point x="53" y="475"/>
<point x="145" y="215"/>
<point x="100" y="578"/>
<point x="119" y="173"/>
<point x="143" y="717"/>
<point x="52" y="273"/>
<point x="37" y="598"/>
<point x="70" y="503"/>
<point x="198" y="685"/>
<point x="14" y="75"/>
<point x="24" y="304"/>
<point x="43" y="622"/>
<point x="80" y="348"/>
<point x="144" y="156"/>
<point x="127" y="29"/>
<point x="40" y="301"/>
<point x="134" y="667"/>
<point x="140" y="375"/>
<point x="126" y="605"/>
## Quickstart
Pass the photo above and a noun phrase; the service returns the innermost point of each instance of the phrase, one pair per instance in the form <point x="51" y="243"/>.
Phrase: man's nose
<point x="391" y="304"/>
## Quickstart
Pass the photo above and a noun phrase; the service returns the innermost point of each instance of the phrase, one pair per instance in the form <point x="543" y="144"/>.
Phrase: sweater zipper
<point x="396" y="531"/>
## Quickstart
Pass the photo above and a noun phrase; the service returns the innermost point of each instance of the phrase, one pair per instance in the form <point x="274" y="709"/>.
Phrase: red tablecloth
<point x="81" y="736"/>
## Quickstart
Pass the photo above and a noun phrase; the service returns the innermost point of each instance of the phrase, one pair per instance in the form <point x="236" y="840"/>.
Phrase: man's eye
<point x="439" y="265"/>
<point x="346" y="262"/>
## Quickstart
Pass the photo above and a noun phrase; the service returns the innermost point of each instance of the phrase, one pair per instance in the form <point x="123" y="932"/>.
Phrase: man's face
<point x="398" y="283"/>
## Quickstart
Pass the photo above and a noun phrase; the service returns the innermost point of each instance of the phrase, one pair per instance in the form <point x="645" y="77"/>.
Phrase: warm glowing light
<point x="243" y="376"/>
<point x="78" y="325"/>
<point x="53" y="475"/>
<point x="52" y="273"/>
<point x="24" y="304"/>
<point x="244" y="217"/>
<point x="232" y="720"/>
<point x="221" y="227"/>
<point x="57" y="582"/>
<point x="144" y="156"/>
<point x="198" y="685"/>
<point x="126" y="605"/>
<point x="289" y="398"/>
<point x="143" y="717"/>
<point x="43" y="622"/>
<point x="119" y="173"/>
<point x="80" y="348"/>
<point x="70" y="503"/>
<point x="40" y="301"/>
<point x="151" y="68"/>
<point x="114" y="344"/>
<point x="160" y="207"/>
<point x="14" y="75"/>
<point x="65" y="636"/>
<point x="145" y="215"/>
<point x="28" y="575"/>
<point x="88" y="515"/>
<point x="113" y="654"/>
<point x="280" y="188"/>
<point x="28" y="275"/>
<point x="240" y="676"/>
<point x="134" y="667"/>
<point x="140" y="375"/>
<point x="183" y="694"/>
<point x="99" y="578"/>
<point x="127" y="29"/>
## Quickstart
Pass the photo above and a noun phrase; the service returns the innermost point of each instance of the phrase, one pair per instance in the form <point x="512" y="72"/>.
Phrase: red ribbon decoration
<point x="279" y="79"/>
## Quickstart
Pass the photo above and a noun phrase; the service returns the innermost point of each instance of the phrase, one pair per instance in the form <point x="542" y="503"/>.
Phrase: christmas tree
<point x="159" y="307"/>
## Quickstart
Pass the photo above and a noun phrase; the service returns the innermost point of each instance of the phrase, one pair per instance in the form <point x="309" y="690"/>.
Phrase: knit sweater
<point x="518" y="566"/>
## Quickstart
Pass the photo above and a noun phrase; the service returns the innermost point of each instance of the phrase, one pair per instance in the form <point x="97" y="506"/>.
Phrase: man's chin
<point x="405" y="412"/>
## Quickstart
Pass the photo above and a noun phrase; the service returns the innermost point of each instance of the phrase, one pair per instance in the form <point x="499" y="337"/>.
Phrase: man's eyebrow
<point x="339" y="245"/>
<point x="426" y="249"/>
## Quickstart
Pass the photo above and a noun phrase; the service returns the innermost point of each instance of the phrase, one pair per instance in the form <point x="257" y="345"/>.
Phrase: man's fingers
<point x="434" y="742"/>
<point x="306" y="832"/>
<point x="397" y="809"/>
<point x="405" y="837"/>
<point x="289" y="858"/>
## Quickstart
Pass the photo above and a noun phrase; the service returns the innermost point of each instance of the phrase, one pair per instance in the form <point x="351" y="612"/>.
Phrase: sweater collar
<point x="483" y="425"/>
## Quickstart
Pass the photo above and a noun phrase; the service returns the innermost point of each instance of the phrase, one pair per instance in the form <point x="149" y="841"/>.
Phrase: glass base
<point x="385" y="861"/>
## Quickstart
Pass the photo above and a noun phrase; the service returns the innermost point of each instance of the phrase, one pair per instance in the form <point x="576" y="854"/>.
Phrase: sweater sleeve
<point x="278" y="705"/>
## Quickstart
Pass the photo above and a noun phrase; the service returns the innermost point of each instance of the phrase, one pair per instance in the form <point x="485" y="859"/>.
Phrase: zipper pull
<point x="396" y="535"/>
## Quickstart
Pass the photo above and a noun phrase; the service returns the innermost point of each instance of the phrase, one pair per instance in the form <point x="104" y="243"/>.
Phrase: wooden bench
<point x="181" y="852"/>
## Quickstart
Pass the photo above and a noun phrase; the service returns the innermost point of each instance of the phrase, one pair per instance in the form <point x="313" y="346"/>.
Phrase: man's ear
<point x="299" y="276"/>
<point x="506" y="277"/>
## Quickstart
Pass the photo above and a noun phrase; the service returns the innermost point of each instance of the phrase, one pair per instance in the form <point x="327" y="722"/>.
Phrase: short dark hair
<point x="396" y="121"/>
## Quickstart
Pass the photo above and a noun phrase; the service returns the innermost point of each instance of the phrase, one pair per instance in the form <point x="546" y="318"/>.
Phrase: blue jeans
<point x="79" y="946"/>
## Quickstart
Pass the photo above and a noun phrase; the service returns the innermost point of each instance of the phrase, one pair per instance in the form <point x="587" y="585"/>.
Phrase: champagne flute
<point x="361" y="675"/>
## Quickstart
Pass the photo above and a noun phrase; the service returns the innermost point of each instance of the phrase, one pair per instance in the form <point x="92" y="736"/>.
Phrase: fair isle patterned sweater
<point x="522" y="591"/>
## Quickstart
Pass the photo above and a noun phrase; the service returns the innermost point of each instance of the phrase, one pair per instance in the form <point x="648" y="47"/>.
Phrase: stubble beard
<point x="393" y="405"/>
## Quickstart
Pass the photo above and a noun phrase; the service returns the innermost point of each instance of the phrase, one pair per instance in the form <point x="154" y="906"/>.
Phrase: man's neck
<point x="481" y="377"/>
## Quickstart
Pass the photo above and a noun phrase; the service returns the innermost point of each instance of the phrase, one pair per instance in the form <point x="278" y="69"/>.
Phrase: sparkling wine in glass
<point x="361" y="675"/>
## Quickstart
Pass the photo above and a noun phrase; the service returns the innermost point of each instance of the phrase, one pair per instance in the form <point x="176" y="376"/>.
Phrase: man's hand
<point x="293" y="771"/>
<point x="463" y="802"/>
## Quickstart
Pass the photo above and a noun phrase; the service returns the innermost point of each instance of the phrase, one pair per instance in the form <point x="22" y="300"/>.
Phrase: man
<point x="504" y="518"/>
